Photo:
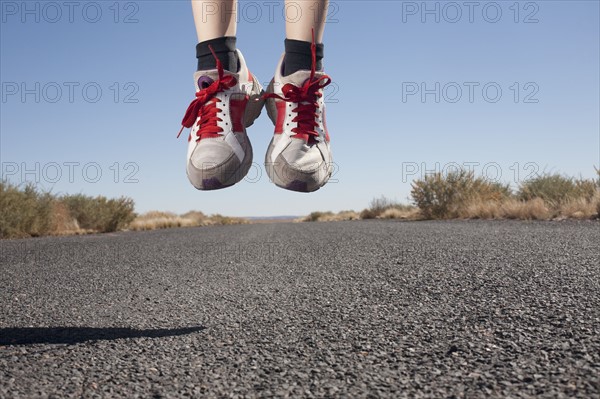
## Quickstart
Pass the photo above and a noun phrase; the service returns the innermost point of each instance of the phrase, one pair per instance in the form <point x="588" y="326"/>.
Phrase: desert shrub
<point x="535" y="209"/>
<point x="62" y="221"/>
<point x="195" y="217"/>
<point x="99" y="213"/>
<point x="154" y="220"/>
<point x="164" y="220"/>
<point x="407" y="212"/>
<point x="25" y="211"/>
<point x="379" y="206"/>
<point x="441" y="196"/>
<point x="316" y="216"/>
<point x="556" y="189"/>
<point x="218" y="219"/>
<point x="368" y="214"/>
<point x="345" y="215"/>
<point x="330" y="216"/>
<point x="579" y="208"/>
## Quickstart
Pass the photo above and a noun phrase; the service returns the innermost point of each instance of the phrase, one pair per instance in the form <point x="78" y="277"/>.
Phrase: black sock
<point x="299" y="57"/>
<point x="224" y="48"/>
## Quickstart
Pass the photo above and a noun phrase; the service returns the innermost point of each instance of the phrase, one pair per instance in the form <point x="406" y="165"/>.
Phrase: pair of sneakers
<point x="219" y="150"/>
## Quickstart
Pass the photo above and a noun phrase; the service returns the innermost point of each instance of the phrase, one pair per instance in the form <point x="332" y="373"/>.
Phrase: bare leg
<point x="216" y="25"/>
<point x="215" y="18"/>
<point x="302" y="16"/>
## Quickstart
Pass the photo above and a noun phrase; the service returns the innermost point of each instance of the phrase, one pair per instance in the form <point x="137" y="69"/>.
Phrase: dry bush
<point x="565" y="197"/>
<point x="28" y="212"/>
<point x="448" y="196"/>
<point x="339" y="217"/>
<point x="411" y="213"/>
<point x="556" y="189"/>
<point x="378" y="206"/>
<point x="218" y="219"/>
<point x="154" y="220"/>
<point x="316" y="216"/>
<point x="329" y="217"/>
<point x="479" y="209"/>
<point x="24" y="212"/>
<point x="511" y="208"/>
<point x="99" y="214"/>
<point x="63" y="223"/>
<point x="156" y="215"/>
<point x="581" y="208"/>
<point x="347" y="215"/>
<point x="197" y="217"/>
<point x="535" y="209"/>
<point x="368" y="214"/>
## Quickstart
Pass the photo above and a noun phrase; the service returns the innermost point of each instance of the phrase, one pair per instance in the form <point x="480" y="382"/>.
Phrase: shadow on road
<point x="74" y="335"/>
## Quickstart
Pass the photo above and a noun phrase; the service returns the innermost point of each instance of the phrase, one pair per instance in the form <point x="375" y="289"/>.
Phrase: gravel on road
<point x="343" y="309"/>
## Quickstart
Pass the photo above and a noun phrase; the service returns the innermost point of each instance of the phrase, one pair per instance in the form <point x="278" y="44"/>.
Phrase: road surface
<point x="344" y="309"/>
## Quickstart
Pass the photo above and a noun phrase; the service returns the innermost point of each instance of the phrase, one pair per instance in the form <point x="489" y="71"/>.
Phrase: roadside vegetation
<point x="163" y="220"/>
<point x="26" y="211"/>
<point x="462" y="195"/>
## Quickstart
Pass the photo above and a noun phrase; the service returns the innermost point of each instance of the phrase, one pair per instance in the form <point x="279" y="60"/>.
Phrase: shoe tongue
<point x="297" y="78"/>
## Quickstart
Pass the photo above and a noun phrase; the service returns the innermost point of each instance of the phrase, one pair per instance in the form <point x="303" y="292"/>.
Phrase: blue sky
<point x="93" y="94"/>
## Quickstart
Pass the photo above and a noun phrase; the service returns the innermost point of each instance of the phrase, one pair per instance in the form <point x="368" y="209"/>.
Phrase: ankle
<point x="298" y="56"/>
<point x="225" y="50"/>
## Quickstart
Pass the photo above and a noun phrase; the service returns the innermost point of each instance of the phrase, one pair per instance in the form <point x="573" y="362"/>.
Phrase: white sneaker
<point x="299" y="157"/>
<point x="219" y="151"/>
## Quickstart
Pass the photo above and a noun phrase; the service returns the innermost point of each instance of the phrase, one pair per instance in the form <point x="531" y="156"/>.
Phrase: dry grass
<point x="581" y="208"/>
<point x="380" y="208"/>
<point x="409" y="213"/>
<point x="510" y="208"/>
<point x="63" y="223"/>
<point x="534" y="209"/>
<point x="154" y="220"/>
<point x="340" y="216"/>
<point x="329" y="217"/>
<point x="28" y="212"/>
<point x="384" y="208"/>
<point x="545" y="197"/>
<point x="461" y="195"/>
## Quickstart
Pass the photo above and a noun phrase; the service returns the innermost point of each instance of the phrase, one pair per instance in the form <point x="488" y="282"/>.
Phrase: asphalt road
<point x="348" y="309"/>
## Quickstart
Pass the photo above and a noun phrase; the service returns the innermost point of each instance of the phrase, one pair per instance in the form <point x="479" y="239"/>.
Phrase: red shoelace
<point x="307" y="97"/>
<point x="205" y="105"/>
